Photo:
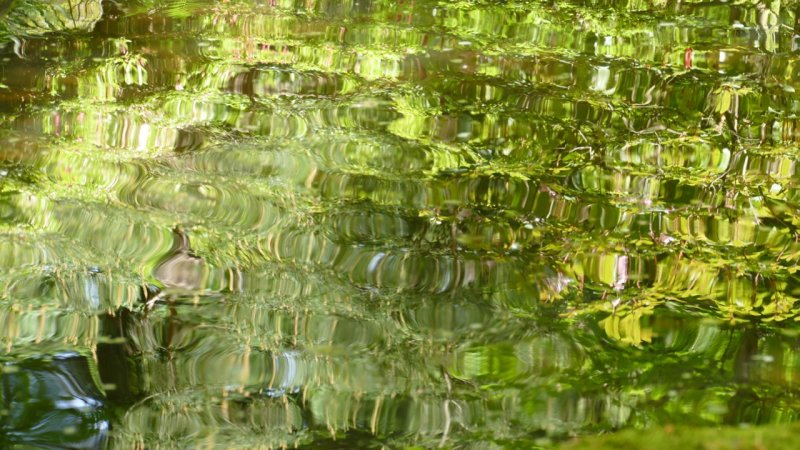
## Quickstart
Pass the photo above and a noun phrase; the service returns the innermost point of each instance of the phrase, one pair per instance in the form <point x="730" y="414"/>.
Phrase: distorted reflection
<point x="53" y="402"/>
<point x="385" y="224"/>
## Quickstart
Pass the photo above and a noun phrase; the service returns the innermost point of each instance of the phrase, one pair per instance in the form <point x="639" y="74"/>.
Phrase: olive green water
<point x="325" y="224"/>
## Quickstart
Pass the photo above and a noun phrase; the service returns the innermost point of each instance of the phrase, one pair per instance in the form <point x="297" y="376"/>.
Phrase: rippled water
<point x="270" y="223"/>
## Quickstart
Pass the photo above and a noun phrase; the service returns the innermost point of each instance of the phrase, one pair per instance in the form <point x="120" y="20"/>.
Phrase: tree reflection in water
<point x="419" y="223"/>
<point x="53" y="402"/>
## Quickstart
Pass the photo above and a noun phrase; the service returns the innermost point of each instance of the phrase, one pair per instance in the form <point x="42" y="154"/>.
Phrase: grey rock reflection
<point x="180" y="270"/>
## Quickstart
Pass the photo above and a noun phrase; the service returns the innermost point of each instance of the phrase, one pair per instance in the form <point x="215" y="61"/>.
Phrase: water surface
<point x="387" y="224"/>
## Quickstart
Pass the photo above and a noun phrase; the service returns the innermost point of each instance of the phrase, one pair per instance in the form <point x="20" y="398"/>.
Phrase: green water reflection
<point x="273" y="223"/>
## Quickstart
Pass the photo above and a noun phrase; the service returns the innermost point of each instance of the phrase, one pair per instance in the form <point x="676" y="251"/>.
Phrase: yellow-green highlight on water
<point x="398" y="224"/>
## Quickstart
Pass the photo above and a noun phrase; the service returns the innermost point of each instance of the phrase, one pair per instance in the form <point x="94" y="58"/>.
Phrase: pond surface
<point x="367" y="224"/>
